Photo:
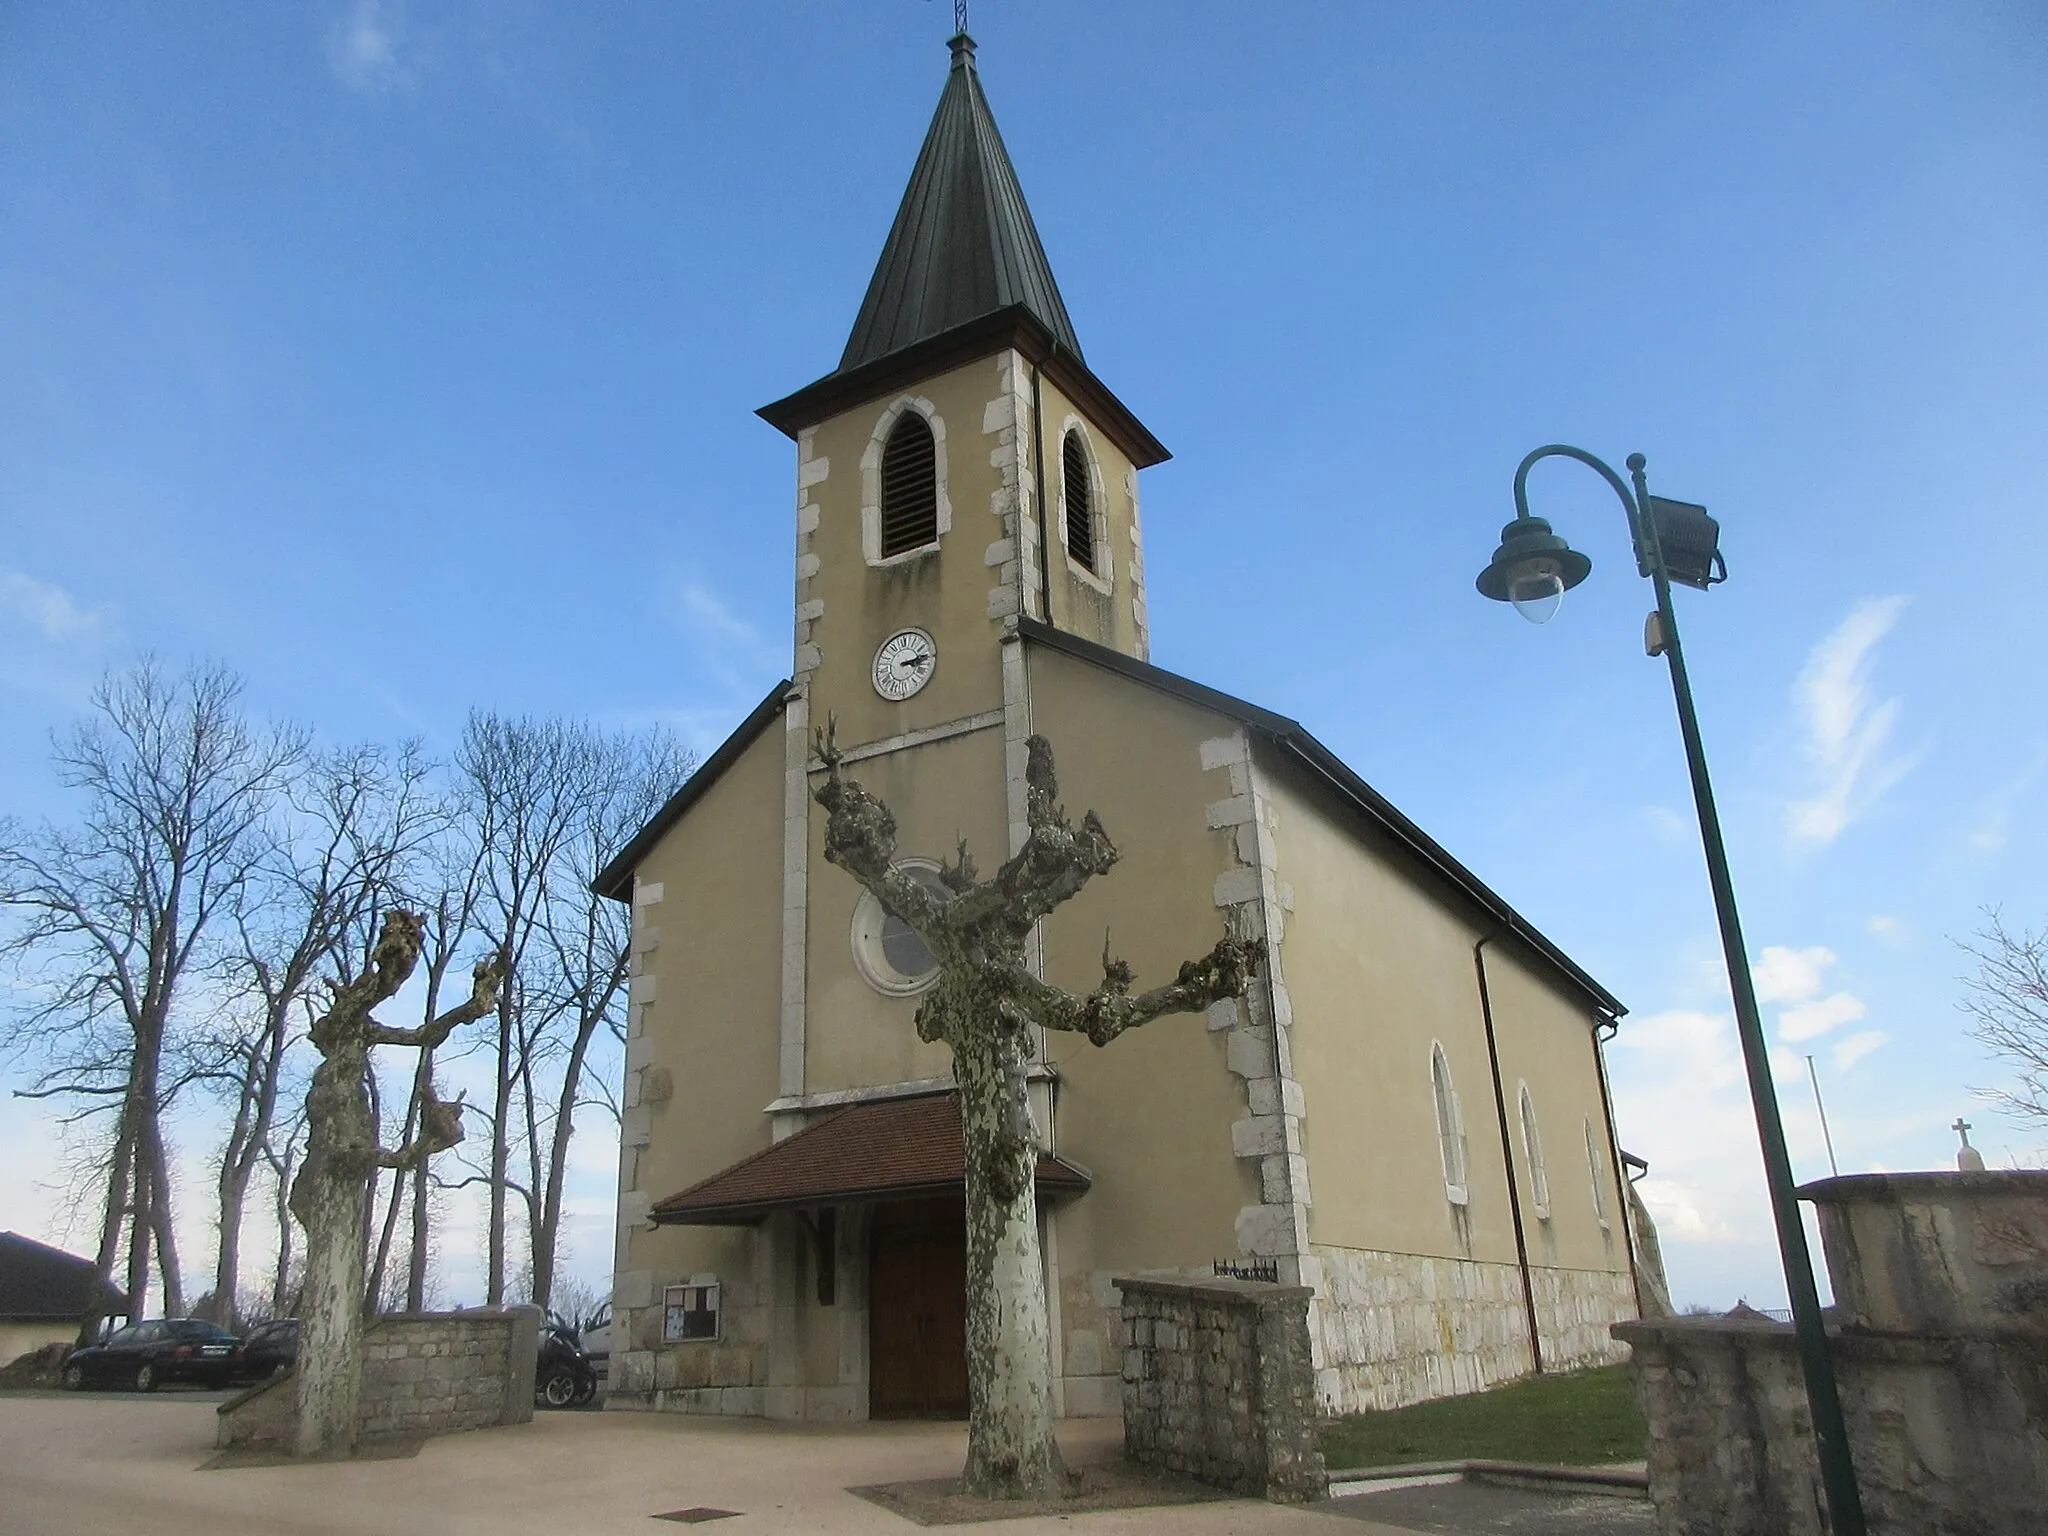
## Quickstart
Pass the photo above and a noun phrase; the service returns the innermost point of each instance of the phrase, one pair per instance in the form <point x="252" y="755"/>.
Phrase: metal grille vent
<point x="1080" y="503"/>
<point x="910" y="487"/>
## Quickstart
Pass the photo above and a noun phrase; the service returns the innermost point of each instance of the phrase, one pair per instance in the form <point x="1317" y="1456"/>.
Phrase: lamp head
<point x="1532" y="569"/>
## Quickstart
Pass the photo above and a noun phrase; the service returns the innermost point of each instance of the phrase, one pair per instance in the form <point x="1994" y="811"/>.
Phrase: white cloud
<point x="51" y="611"/>
<point x="1790" y="975"/>
<point x="1857" y="1046"/>
<point x="1885" y="926"/>
<point x="1682" y="1103"/>
<point x="1994" y="818"/>
<point x="362" y="46"/>
<point x="1846" y="734"/>
<point x="1818" y="1017"/>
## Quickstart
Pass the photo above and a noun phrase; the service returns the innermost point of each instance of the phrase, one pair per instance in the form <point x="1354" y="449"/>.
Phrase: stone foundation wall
<point x="1577" y="1310"/>
<point x="1398" y="1328"/>
<point x="726" y="1375"/>
<point x="1217" y="1384"/>
<point x="1091" y="1330"/>
<point x="424" y="1374"/>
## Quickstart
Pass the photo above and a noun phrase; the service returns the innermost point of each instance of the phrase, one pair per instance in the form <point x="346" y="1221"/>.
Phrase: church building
<point x="1409" y="1111"/>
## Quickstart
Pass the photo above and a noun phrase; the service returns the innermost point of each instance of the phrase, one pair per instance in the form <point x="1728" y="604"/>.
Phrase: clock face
<point x="904" y="663"/>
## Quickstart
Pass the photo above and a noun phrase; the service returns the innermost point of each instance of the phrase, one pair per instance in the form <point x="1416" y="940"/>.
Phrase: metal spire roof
<point x="963" y="244"/>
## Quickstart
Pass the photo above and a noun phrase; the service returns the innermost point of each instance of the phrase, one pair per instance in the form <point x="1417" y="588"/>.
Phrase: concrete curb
<point x="1625" y="1482"/>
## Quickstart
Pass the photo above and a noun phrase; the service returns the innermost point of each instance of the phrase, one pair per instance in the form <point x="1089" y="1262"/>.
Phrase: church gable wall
<point x="940" y="792"/>
<point x="1150" y="1115"/>
<point x="700" y="1064"/>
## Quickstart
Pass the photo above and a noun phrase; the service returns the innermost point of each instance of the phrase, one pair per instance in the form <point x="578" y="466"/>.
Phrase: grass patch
<point x="1585" y="1418"/>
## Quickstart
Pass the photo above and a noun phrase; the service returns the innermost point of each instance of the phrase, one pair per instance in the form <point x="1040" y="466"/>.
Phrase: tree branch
<point x="1109" y="1010"/>
<point x="860" y="837"/>
<point x="483" y="997"/>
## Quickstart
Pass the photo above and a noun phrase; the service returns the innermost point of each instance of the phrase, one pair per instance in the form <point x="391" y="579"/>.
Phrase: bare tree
<point x="522" y="788"/>
<point x="988" y="1006"/>
<point x="114" y="911"/>
<point x="283" y="1150"/>
<point x="330" y="1196"/>
<point x="546" y="802"/>
<point x="2007" y="1002"/>
<point x="456" y="868"/>
<point x="575" y="981"/>
<point x="355" y="817"/>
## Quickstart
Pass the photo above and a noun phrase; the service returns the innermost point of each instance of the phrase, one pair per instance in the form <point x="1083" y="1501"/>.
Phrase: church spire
<point x="963" y="245"/>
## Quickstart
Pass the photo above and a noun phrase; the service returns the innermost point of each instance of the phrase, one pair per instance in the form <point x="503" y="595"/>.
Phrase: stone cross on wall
<point x="1968" y="1158"/>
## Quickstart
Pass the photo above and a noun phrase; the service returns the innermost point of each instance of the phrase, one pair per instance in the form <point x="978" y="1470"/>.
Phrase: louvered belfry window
<point x="910" y="486"/>
<point x="1080" y="500"/>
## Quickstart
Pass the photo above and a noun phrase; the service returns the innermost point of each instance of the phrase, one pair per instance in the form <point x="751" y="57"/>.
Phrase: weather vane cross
<point x="959" y="16"/>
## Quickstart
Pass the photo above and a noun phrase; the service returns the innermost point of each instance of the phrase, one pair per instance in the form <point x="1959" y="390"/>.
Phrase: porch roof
<point x="893" y="1150"/>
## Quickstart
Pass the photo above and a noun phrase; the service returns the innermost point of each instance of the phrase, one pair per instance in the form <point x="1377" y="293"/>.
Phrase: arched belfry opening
<point x="910" y="486"/>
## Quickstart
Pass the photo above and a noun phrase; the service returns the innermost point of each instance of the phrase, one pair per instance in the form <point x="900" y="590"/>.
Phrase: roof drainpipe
<point x="1038" y="500"/>
<point x="1603" y="1031"/>
<point x="1507" y="1149"/>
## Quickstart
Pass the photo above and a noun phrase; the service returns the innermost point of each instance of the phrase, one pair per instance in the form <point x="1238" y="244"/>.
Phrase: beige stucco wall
<point x="1417" y="1297"/>
<point x="1105" y="605"/>
<point x="1545" y="1043"/>
<point x="940" y="793"/>
<point x="18" y="1339"/>
<point x="945" y="593"/>
<point x="704" y="1011"/>
<point x="1149" y="1114"/>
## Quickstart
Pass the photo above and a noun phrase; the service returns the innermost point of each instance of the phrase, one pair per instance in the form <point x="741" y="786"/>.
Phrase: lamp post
<point x="1677" y="541"/>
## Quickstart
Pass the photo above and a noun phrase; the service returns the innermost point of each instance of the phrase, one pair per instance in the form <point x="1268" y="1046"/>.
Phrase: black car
<point x="563" y="1376"/>
<point x="146" y="1355"/>
<point x="270" y="1349"/>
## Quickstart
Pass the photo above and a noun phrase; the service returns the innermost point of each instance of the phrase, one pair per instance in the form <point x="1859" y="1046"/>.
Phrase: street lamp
<point x="1677" y="541"/>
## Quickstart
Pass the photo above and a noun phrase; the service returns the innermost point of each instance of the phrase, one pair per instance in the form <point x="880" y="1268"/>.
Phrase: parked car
<point x="596" y="1337"/>
<point x="270" y="1350"/>
<point x="147" y="1354"/>
<point x="563" y="1376"/>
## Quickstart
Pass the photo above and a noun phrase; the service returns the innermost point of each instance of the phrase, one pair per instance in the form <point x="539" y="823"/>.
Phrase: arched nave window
<point x="1532" y="1152"/>
<point x="1450" y="1124"/>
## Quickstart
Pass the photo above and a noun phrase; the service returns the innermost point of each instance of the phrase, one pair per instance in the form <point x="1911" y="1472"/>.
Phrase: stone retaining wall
<point x="424" y="1374"/>
<point x="1940" y="1346"/>
<point x="1218" y="1384"/>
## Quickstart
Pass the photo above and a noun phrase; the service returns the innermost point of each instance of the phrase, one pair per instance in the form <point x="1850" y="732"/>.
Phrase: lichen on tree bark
<point x="985" y="1006"/>
<point x="330" y="1194"/>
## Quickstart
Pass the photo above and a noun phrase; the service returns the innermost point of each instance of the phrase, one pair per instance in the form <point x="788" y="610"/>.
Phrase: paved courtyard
<point x="72" y="1463"/>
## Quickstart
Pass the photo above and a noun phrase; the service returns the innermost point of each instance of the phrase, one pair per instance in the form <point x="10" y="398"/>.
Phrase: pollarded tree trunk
<point x="331" y="1193"/>
<point x="987" y="1007"/>
<point x="1010" y="1442"/>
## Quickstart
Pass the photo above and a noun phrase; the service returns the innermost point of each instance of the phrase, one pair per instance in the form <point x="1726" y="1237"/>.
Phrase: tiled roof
<point x="889" y="1150"/>
<point x="38" y="1282"/>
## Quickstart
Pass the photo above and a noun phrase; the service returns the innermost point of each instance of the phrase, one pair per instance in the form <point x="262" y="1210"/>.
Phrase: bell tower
<point x="961" y="473"/>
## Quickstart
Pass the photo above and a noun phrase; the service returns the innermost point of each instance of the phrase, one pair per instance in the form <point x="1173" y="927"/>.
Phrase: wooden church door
<point x="917" y="1311"/>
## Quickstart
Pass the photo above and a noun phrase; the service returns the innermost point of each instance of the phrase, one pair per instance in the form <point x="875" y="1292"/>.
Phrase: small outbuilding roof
<point x="896" y="1149"/>
<point x="39" y="1283"/>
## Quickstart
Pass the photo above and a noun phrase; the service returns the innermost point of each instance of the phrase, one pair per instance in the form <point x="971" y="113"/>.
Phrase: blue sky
<point x="404" y="356"/>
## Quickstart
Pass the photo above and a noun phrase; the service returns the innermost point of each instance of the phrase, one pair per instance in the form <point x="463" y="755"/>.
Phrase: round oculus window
<point x="890" y="956"/>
